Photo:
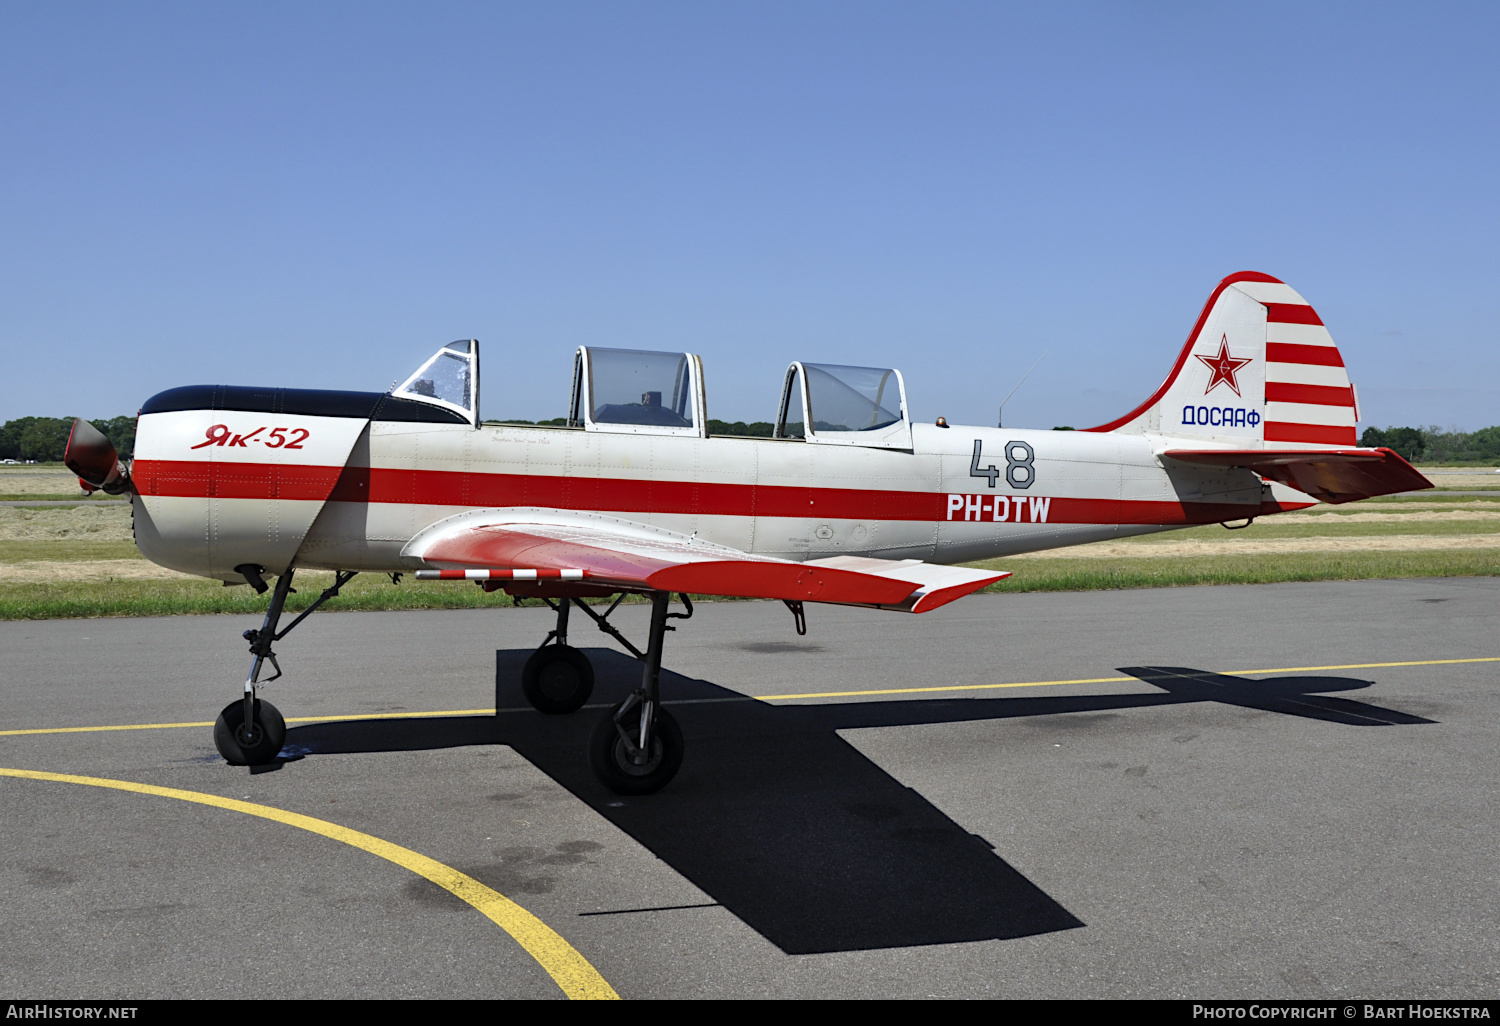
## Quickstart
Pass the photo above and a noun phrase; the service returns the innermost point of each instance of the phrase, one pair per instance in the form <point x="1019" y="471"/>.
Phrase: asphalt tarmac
<point x="1230" y="804"/>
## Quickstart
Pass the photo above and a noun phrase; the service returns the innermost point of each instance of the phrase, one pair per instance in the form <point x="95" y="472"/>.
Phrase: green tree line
<point x="1433" y="445"/>
<point x="44" y="438"/>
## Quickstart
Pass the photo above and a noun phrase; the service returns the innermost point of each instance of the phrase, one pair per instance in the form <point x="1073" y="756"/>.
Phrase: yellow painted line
<point x="1373" y="666"/>
<point x="289" y="719"/>
<point x="87" y="730"/>
<point x="1112" y="680"/>
<point x="572" y="972"/>
<point x="392" y="716"/>
<point x="950" y="687"/>
<point x="761" y="698"/>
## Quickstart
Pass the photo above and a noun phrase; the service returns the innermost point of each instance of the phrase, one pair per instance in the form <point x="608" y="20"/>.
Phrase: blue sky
<point x="319" y="195"/>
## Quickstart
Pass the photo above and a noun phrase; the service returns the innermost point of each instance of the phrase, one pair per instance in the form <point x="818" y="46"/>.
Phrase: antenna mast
<point x="1000" y="422"/>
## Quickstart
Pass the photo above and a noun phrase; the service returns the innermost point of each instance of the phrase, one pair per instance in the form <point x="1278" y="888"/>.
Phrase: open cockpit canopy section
<point x="830" y="403"/>
<point x="450" y="379"/>
<point x="637" y="391"/>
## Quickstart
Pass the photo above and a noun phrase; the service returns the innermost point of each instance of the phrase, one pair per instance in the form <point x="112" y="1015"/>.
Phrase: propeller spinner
<point x="92" y="457"/>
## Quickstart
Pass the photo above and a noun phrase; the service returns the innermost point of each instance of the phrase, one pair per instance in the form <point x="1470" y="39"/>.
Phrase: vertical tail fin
<point x="1259" y="370"/>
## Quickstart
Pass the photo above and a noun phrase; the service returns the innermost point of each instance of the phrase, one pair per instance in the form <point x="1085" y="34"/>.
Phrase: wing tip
<point x="928" y="601"/>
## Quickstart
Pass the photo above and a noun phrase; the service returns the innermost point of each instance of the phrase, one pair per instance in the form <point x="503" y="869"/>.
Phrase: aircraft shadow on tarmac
<point x="790" y="827"/>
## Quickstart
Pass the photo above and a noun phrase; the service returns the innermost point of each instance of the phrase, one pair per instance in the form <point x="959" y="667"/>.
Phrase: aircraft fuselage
<point x="218" y="488"/>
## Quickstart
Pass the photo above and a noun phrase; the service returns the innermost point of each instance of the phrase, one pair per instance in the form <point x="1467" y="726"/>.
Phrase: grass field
<point x="80" y="561"/>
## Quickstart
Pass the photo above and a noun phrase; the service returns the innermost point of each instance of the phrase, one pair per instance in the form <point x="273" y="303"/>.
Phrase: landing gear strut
<point x="251" y="731"/>
<point x="637" y="747"/>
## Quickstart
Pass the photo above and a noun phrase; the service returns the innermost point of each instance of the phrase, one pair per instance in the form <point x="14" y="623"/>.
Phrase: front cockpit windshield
<point x="634" y="386"/>
<point x="852" y="398"/>
<point x="449" y="378"/>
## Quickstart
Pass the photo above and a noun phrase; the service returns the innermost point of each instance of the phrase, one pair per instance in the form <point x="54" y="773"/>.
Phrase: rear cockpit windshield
<point x="449" y="379"/>
<point x="826" y="402"/>
<point x="852" y="398"/>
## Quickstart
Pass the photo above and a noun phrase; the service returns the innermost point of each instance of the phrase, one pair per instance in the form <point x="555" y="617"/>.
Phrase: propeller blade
<point x="92" y="457"/>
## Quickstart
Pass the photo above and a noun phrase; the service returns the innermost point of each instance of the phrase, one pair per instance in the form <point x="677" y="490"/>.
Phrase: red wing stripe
<point x="1316" y="395"/>
<point x="1291" y="313"/>
<point x="1315" y="356"/>
<point x="1316" y="434"/>
<point x="790" y="581"/>
<point x="747" y="577"/>
<point x="491" y="545"/>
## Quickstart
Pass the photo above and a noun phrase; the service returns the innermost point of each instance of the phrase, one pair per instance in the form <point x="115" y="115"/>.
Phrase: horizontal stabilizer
<point x="1330" y="475"/>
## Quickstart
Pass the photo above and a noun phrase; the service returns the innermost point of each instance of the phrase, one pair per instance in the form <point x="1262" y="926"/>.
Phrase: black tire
<point x="265" y="740"/>
<point x="557" y="679"/>
<point x="613" y="767"/>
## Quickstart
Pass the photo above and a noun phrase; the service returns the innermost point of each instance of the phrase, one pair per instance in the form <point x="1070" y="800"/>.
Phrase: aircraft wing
<point x="544" y="546"/>
<point x="1331" y="475"/>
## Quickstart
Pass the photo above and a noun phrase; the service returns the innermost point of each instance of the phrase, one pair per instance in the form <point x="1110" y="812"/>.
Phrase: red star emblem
<point x="1224" y="367"/>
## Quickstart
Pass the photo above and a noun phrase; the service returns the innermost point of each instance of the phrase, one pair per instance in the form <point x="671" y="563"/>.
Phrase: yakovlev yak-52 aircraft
<point x="849" y="502"/>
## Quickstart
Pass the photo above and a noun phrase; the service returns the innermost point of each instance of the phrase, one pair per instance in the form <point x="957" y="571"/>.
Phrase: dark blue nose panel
<point x="307" y="402"/>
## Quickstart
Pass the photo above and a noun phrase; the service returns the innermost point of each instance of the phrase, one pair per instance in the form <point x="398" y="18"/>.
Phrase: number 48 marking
<point x="1019" y="469"/>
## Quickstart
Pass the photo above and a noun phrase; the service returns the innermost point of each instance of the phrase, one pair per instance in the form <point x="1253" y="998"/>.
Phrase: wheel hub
<point x="642" y="769"/>
<point x="558" y="681"/>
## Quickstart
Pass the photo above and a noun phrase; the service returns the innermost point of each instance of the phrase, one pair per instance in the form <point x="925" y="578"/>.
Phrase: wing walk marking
<point x="747" y="698"/>
<point x="571" y="971"/>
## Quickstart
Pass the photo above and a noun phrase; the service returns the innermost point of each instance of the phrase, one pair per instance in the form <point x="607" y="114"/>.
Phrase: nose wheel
<point x="249" y="744"/>
<point x="251" y="731"/>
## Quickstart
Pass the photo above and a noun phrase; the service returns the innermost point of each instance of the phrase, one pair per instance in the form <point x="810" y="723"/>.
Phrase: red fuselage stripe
<point x="188" y="479"/>
<point x="234" y="480"/>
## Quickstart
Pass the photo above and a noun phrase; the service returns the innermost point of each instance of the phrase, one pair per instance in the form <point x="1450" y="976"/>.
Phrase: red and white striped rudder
<point x="1259" y="370"/>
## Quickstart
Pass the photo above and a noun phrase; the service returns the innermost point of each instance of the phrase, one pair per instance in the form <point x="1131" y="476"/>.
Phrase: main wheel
<point x="253" y="746"/>
<point x="611" y="760"/>
<point x="557" y="679"/>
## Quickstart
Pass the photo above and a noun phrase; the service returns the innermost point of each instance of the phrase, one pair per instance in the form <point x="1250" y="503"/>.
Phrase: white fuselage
<point x="355" y="491"/>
